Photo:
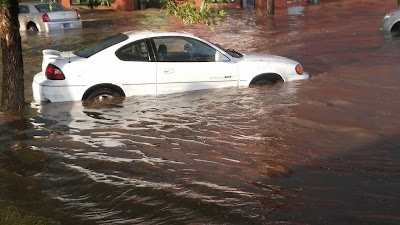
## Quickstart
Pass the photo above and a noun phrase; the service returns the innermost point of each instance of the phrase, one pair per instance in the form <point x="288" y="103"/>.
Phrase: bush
<point x="10" y="215"/>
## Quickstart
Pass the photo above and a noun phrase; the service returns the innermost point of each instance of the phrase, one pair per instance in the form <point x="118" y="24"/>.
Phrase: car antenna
<point x="67" y="31"/>
<point x="68" y="52"/>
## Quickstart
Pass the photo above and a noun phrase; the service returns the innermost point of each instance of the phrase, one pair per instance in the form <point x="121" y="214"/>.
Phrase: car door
<point x="186" y="64"/>
<point x="136" y="68"/>
<point x="23" y="16"/>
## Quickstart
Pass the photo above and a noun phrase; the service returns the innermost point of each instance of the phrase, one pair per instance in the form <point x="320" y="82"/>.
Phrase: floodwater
<point x="320" y="151"/>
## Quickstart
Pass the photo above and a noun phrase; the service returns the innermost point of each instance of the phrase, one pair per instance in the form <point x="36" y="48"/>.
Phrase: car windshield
<point x="96" y="47"/>
<point x="46" y="7"/>
<point x="231" y="52"/>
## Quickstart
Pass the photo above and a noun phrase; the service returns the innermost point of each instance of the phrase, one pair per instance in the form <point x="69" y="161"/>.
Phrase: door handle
<point x="168" y="70"/>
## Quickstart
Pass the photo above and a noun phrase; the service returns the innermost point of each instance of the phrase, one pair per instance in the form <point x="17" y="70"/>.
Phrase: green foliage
<point x="4" y="4"/>
<point x="187" y="11"/>
<point x="106" y="2"/>
<point x="11" y="215"/>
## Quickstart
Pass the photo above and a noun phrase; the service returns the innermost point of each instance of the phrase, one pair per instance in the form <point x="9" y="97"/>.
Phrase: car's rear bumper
<point x="45" y="90"/>
<point x="51" y="26"/>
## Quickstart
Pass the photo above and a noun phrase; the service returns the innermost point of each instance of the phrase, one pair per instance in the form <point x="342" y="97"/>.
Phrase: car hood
<point x="260" y="57"/>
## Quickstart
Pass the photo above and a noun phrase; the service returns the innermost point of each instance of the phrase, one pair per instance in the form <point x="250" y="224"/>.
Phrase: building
<point x="141" y="4"/>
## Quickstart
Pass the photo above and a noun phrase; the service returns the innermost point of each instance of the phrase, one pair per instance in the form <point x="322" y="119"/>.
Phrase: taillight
<point x="45" y="18"/>
<point x="78" y="16"/>
<point x="54" y="73"/>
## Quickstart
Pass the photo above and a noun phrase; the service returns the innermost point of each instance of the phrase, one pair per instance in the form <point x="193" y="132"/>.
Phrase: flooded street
<point x="319" y="151"/>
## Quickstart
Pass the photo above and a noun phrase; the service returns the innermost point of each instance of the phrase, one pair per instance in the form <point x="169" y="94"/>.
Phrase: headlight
<point x="299" y="69"/>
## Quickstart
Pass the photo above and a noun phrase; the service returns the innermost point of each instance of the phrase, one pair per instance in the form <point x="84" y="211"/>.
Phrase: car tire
<point x="103" y="95"/>
<point x="395" y="27"/>
<point x="32" y="27"/>
<point x="264" y="82"/>
<point x="266" y="79"/>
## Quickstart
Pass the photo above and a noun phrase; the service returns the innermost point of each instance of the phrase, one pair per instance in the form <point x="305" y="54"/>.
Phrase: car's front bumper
<point x="303" y="76"/>
<point x="385" y="25"/>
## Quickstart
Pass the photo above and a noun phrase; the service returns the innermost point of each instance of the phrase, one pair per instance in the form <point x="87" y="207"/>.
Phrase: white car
<point x="391" y="21"/>
<point x="149" y="63"/>
<point x="46" y="16"/>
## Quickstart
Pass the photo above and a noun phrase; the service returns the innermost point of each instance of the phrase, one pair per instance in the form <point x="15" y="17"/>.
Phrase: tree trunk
<point x="271" y="7"/>
<point x="12" y="95"/>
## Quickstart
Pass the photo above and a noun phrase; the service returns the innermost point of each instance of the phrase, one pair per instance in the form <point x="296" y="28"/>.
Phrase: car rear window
<point x="48" y="8"/>
<point x="96" y="47"/>
<point x="23" y="9"/>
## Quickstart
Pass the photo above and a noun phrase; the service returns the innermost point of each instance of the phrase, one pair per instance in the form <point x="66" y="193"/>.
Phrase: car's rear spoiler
<point x="49" y="55"/>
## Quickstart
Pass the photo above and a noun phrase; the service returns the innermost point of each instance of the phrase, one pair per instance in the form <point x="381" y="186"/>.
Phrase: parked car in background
<point x="46" y="16"/>
<point x="391" y="21"/>
<point x="153" y="63"/>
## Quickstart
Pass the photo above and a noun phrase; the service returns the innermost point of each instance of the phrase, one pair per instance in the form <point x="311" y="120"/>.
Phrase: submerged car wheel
<point x="32" y="27"/>
<point x="264" y="82"/>
<point x="266" y="79"/>
<point x="396" y="27"/>
<point x="103" y="95"/>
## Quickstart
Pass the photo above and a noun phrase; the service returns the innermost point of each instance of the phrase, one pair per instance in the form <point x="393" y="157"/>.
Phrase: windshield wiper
<point x="238" y="54"/>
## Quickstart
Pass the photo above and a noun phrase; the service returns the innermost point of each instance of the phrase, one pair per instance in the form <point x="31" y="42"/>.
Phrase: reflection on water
<point x="320" y="151"/>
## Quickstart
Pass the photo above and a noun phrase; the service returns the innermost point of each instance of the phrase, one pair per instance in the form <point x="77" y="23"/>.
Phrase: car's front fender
<point x="249" y="70"/>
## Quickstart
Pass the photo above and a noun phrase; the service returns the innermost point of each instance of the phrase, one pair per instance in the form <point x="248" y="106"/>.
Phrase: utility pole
<point x="271" y="7"/>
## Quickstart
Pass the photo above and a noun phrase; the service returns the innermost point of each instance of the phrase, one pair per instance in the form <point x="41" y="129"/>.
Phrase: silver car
<point x="391" y="21"/>
<point x="46" y="16"/>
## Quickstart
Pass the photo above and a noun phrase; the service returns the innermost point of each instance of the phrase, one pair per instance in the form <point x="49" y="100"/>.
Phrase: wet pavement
<point x="320" y="151"/>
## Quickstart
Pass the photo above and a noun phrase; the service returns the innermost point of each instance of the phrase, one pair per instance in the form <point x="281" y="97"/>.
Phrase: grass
<point x="10" y="215"/>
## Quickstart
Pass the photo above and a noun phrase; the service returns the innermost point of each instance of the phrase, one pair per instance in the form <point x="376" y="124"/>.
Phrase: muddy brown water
<point x="320" y="151"/>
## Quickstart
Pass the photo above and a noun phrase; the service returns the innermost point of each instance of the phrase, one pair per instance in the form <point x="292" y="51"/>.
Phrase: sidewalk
<point x="88" y="14"/>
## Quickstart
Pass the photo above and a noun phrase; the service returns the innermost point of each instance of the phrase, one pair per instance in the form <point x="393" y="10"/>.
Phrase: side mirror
<point x="219" y="57"/>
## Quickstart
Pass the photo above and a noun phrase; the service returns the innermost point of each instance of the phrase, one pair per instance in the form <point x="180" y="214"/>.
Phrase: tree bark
<point x="12" y="95"/>
<point x="271" y="7"/>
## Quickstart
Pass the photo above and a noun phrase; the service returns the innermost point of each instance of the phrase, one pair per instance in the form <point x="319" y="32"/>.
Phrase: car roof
<point x="34" y="3"/>
<point x="149" y="33"/>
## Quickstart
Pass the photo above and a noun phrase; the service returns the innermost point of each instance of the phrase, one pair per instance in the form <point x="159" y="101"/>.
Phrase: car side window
<point x="136" y="51"/>
<point x="183" y="49"/>
<point x="23" y="9"/>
